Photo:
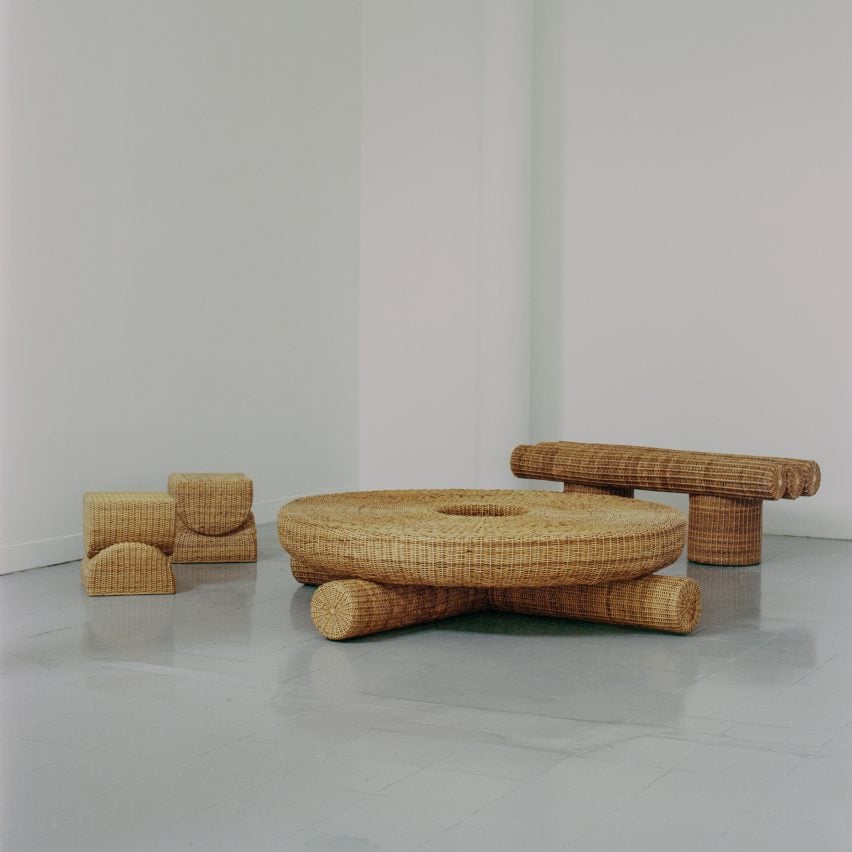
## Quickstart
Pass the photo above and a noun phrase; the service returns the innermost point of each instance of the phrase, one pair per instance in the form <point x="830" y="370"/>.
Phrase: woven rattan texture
<point x="670" y="604"/>
<point x="345" y="609"/>
<point x="313" y="576"/>
<point x="576" y="488"/>
<point x="129" y="568"/>
<point x="237" y="546"/>
<point x="652" y="469"/>
<point x="426" y="538"/>
<point x="723" y="531"/>
<point x="803" y="476"/>
<point x="212" y="503"/>
<point x="114" y="517"/>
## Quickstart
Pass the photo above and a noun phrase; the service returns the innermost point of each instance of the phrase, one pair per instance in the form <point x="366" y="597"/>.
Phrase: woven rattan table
<point x="386" y="559"/>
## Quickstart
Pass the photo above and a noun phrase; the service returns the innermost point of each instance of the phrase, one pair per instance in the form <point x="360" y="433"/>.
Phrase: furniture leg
<point x="657" y="602"/>
<point x="724" y="530"/>
<point x="344" y="609"/>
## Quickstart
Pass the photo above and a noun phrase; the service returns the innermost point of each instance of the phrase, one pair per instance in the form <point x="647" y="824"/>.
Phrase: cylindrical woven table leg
<point x="615" y="491"/>
<point x="311" y="576"/>
<point x="671" y="604"/>
<point x="724" y="530"/>
<point x="344" y="609"/>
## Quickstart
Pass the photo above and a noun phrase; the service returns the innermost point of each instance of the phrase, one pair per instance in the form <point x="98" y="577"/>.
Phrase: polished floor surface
<point x="217" y="719"/>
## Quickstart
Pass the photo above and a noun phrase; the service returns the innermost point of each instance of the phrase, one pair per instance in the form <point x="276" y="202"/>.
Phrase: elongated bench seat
<point x="726" y="491"/>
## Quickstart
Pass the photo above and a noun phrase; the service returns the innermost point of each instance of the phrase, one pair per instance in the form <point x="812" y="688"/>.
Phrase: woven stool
<point x="128" y="538"/>
<point x="214" y="520"/>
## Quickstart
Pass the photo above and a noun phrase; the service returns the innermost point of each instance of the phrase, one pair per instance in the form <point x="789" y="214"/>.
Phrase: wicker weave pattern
<point x="611" y="490"/>
<point x="725" y="490"/>
<point x="345" y="609"/>
<point x="214" y="518"/>
<point x="237" y="546"/>
<point x="313" y="576"/>
<point x="652" y="469"/>
<point x="670" y="604"/>
<point x="723" y="531"/>
<point x="811" y="475"/>
<point x="803" y="477"/>
<point x="438" y="538"/>
<point x="129" y="568"/>
<point x="212" y="503"/>
<point x="114" y="517"/>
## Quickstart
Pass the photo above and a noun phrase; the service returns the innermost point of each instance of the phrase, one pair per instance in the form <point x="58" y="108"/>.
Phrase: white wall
<point x="546" y="286"/>
<point x="196" y="195"/>
<point x="444" y="291"/>
<point x="505" y="239"/>
<point x="704" y="251"/>
<point x="179" y="253"/>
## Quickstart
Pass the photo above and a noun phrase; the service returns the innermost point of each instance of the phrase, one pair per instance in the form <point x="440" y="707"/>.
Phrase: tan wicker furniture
<point x="214" y="519"/>
<point x="386" y="559"/>
<point x="128" y="538"/>
<point x="344" y="609"/>
<point x="726" y="492"/>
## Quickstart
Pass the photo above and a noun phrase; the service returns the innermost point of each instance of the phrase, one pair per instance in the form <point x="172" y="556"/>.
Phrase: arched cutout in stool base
<point x="130" y="568"/>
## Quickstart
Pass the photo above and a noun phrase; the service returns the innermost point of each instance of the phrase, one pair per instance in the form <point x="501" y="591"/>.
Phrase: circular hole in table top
<point x="481" y="510"/>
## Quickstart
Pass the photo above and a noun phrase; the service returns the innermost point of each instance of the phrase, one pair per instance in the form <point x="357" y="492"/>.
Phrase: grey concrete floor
<point x="217" y="719"/>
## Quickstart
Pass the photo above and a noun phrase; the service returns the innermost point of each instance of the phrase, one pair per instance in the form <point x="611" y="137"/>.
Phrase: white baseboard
<point x="69" y="548"/>
<point x="35" y="554"/>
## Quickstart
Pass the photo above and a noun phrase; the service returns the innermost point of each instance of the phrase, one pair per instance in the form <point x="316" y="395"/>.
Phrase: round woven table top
<point x="481" y="538"/>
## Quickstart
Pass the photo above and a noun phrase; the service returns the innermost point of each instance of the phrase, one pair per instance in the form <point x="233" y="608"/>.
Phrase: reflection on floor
<point x="218" y="719"/>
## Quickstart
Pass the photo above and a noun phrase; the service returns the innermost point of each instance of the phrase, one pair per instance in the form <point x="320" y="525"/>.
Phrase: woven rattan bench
<point x="726" y="492"/>
<point x="387" y="559"/>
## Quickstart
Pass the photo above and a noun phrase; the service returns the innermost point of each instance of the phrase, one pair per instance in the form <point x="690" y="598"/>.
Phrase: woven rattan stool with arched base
<point x="127" y="541"/>
<point x="387" y="559"/>
<point x="214" y="521"/>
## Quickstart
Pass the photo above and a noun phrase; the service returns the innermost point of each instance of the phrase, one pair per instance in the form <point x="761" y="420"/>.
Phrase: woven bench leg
<point x="577" y="488"/>
<point x="344" y="609"/>
<point x="671" y="604"/>
<point x="724" y="530"/>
